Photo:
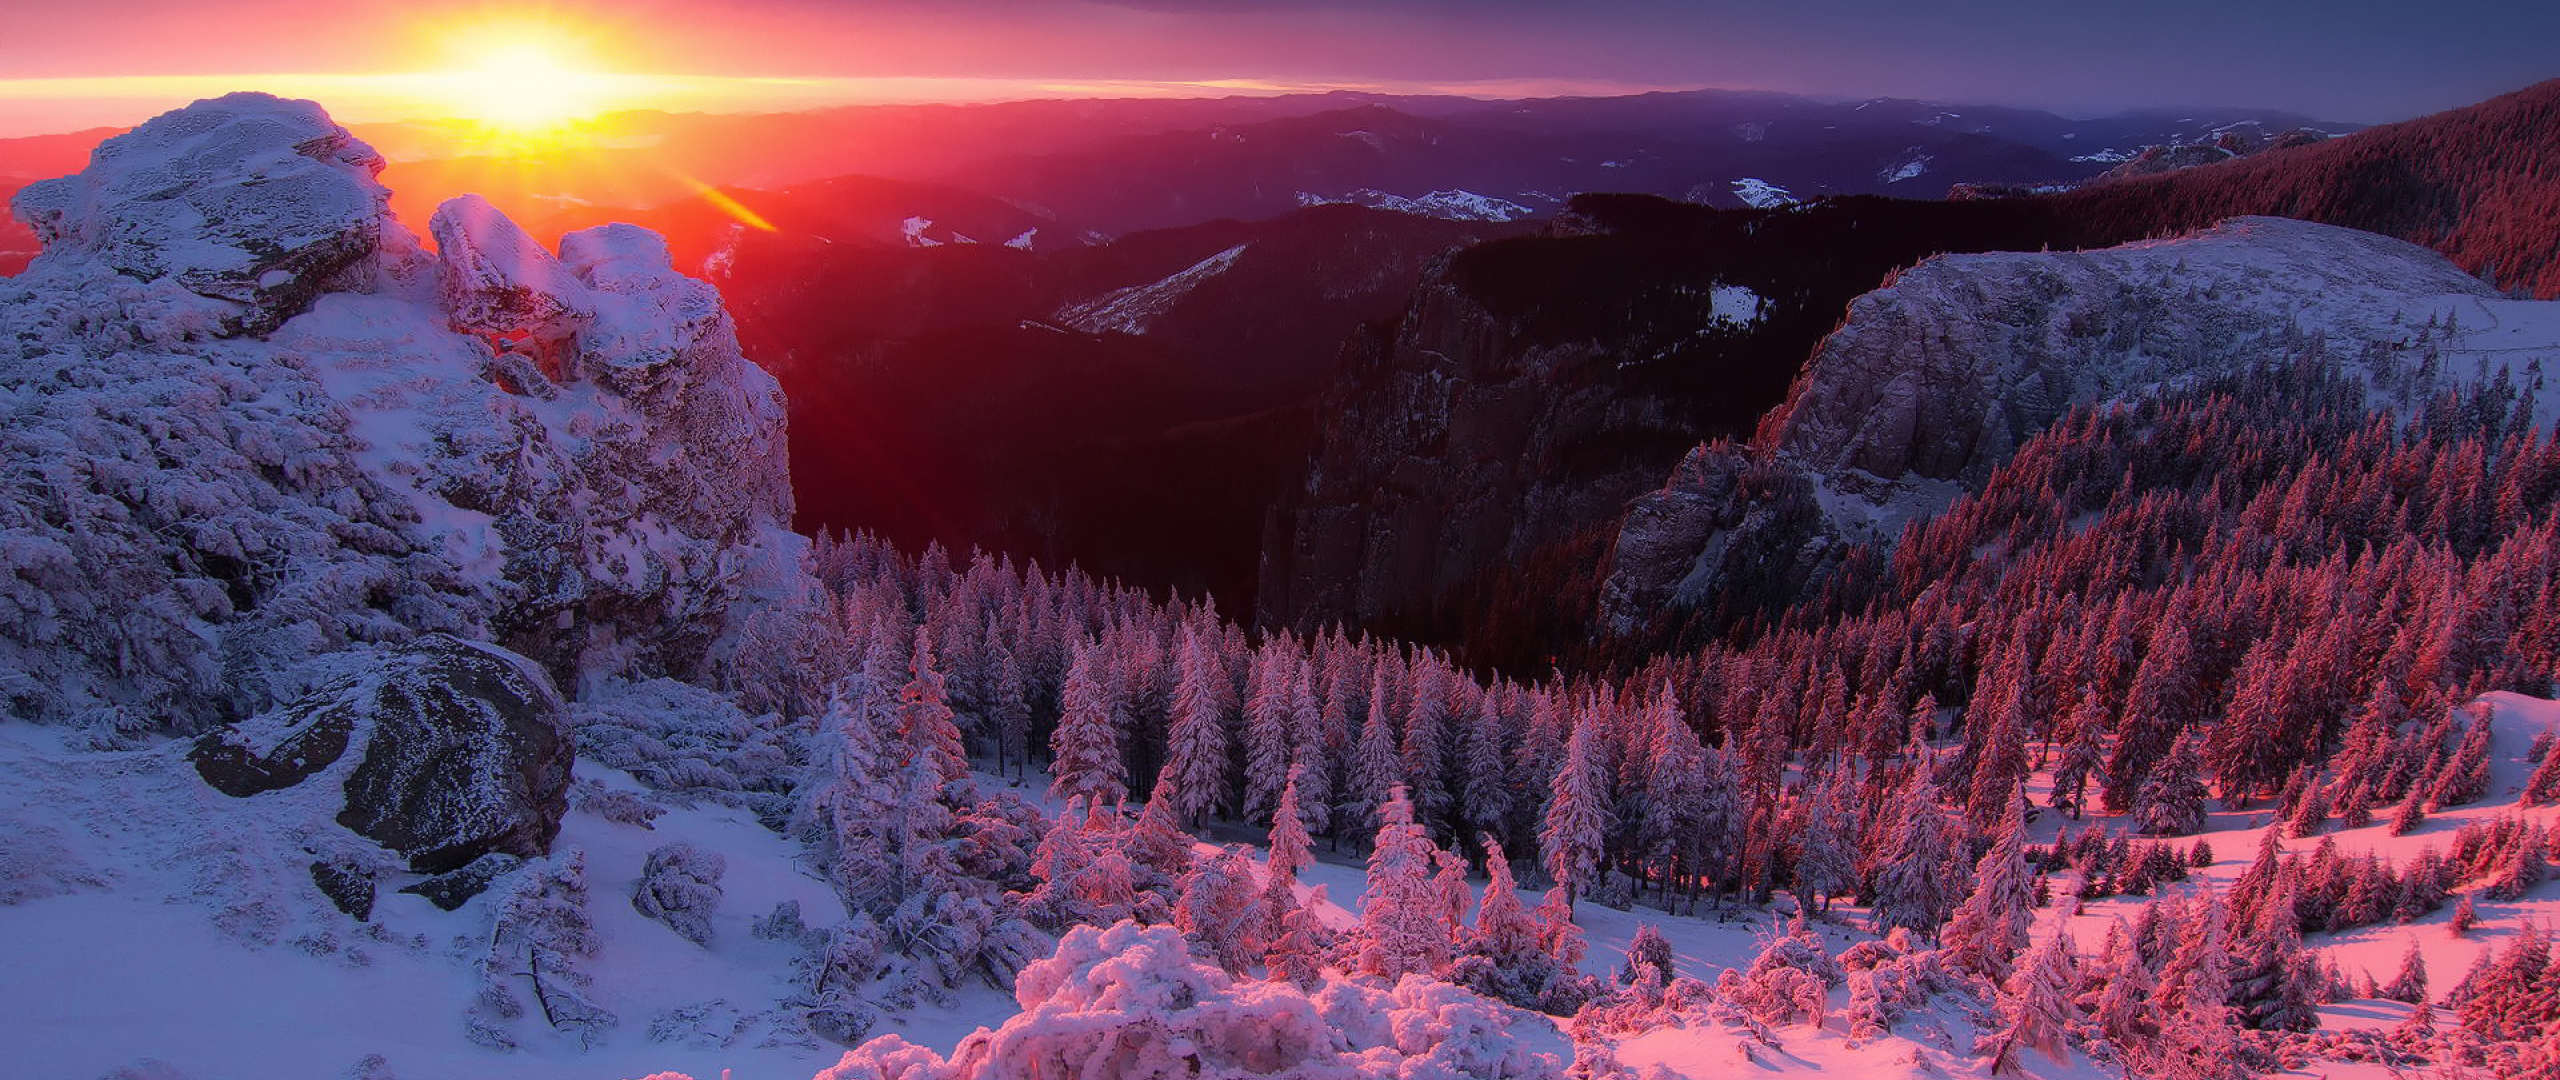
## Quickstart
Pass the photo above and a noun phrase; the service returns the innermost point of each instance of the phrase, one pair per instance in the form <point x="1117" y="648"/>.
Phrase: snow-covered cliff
<point x="1935" y="378"/>
<point x="250" y="420"/>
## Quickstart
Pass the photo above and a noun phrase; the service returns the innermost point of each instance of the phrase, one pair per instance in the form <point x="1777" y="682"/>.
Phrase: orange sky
<point x="96" y="62"/>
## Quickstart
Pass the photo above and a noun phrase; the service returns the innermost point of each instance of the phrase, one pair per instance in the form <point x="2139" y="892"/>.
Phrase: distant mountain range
<point x="1092" y="169"/>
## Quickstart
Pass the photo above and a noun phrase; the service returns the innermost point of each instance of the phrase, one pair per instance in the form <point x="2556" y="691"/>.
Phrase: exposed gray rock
<point x="460" y="751"/>
<point x="348" y="886"/>
<point x="246" y="198"/>
<point x="455" y="888"/>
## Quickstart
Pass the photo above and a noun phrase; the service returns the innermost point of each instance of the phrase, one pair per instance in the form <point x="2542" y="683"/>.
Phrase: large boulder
<point x="246" y="198"/>
<point x="444" y="750"/>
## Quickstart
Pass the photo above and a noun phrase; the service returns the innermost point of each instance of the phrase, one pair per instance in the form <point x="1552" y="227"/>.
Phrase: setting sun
<point x="525" y="86"/>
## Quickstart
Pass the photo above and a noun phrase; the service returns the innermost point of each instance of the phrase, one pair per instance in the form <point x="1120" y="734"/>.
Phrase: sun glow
<point x="525" y="87"/>
<point x="530" y="74"/>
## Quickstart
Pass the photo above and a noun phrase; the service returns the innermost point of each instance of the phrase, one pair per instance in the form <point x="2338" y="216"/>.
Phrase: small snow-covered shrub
<point x="680" y="886"/>
<point x="685" y="741"/>
<point x="539" y="932"/>
<point x="619" y="807"/>
<point x="1129" y="1001"/>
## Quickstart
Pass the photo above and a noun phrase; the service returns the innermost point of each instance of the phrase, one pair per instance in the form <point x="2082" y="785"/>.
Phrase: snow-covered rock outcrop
<point x="250" y="421"/>
<point x="245" y="199"/>
<point x="1934" y="379"/>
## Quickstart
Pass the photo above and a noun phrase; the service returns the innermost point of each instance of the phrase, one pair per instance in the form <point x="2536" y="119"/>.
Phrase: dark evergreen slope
<point x="1131" y="407"/>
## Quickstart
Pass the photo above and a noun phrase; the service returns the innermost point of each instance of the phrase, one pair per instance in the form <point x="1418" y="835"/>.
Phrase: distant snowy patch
<point x="1762" y="194"/>
<point x="2109" y="156"/>
<point x="1735" y="304"/>
<point x="914" y="228"/>
<point x="1446" y="205"/>
<point x="1911" y="165"/>
<point x="1131" y="310"/>
<point x="1023" y="242"/>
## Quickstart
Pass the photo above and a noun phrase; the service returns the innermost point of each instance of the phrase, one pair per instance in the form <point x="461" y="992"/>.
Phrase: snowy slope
<point x="1131" y="310"/>
<point x="178" y="941"/>
<point x="2377" y="950"/>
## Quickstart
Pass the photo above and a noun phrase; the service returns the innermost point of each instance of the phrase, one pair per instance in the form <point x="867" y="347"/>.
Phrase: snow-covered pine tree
<point x="1297" y="954"/>
<point x="1375" y="763"/>
<point x="2525" y="864"/>
<point x="851" y="806"/>
<point x="1916" y="886"/>
<point x="1197" y="745"/>
<point x="1558" y="935"/>
<point x="1404" y="922"/>
<point x="1577" y="813"/>
<point x="1267" y="725"/>
<point x="1084" y="751"/>
<point x="1675" y="782"/>
<point x="2171" y="802"/>
<point x="925" y="725"/>
<point x="2197" y="1040"/>
<point x="1425" y="749"/>
<point x="1484" y="791"/>
<point x="2465" y="777"/>
<point x="2542" y="787"/>
<point x="1218" y="911"/>
<point x="2083" y="752"/>
<point x="1010" y="708"/>
<point x="1827" y="863"/>
<point x="2273" y="985"/>
<point x="2119" y="999"/>
<point x="2160" y="707"/>
<point x="2410" y="985"/>
<point x="1991" y="926"/>
<point x="1504" y="929"/>
<point x="2035" y="1005"/>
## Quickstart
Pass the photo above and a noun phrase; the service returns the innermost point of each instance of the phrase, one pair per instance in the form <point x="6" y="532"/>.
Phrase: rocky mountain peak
<point x="274" y="428"/>
<point x="248" y="199"/>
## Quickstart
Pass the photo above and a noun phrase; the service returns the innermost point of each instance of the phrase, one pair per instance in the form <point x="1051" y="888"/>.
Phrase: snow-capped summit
<point x="246" y="198"/>
<point x="260" y="424"/>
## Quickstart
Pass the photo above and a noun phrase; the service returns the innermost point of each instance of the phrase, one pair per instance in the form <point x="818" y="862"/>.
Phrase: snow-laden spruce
<point x="249" y="421"/>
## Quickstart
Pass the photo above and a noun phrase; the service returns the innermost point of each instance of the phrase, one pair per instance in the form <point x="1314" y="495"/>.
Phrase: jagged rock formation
<point x="1936" y="378"/>
<point x="454" y="750"/>
<point x="252" y="422"/>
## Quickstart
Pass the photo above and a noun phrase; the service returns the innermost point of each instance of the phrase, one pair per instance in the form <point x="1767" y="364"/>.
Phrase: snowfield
<point x="143" y="929"/>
